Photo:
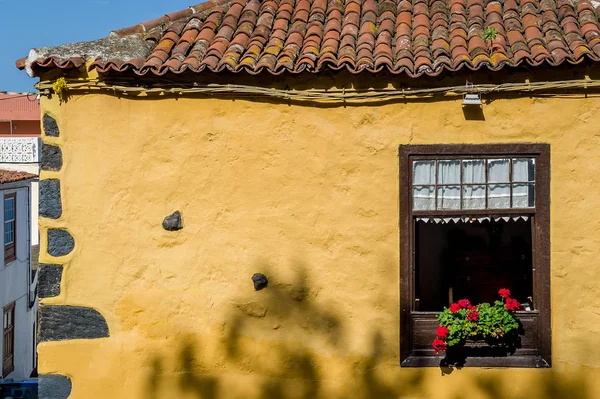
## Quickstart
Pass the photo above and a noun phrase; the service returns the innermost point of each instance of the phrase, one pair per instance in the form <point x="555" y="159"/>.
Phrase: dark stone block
<point x="50" y="126"/>
<point x="60" y="242"/>
<point x="173" y="222"/>
<point x="54" y="386"/>
<point x="51" y="157"/>
<point x="50" y="203"/>
<point x="260" y="281"/>
<point x="49" y="280"/>
<point x="61" y="323"/>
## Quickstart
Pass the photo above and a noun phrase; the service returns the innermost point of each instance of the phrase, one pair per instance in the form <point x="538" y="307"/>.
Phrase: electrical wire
<point x="20" y="96"/>
<point x="333" y="95"/>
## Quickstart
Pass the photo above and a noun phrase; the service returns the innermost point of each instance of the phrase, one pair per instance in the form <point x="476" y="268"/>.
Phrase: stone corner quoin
<point x="50" y="199"/>
<point x="50" y="126"/>
<point x="60" y="242"/>
<point x="62" y="323"/>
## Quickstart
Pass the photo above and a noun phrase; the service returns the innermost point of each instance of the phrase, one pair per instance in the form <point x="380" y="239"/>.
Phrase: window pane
<point x="524" y="169"/>
<point x="424" y="172"/>
<point x="498" y="196"/>
<point x="498" y="170"/>
<point x="473" y="197"/>
<point x="8" y="233"/>
<point x="473" y="171"/>
<point x="9" y="209"/>
<point x="448" y="197"/>
<point x="448" y="172"/>
<point x="423" y="198"/>
<point x="523" y="195"/>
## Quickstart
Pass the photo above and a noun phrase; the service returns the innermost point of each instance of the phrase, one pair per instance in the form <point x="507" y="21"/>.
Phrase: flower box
<point x="484" y="330"/>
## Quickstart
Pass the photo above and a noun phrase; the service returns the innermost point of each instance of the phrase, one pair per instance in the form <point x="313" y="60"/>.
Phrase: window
<point x="8" y="352"/>
<point x="473" y="219"/>
<point x="10" y="228"/>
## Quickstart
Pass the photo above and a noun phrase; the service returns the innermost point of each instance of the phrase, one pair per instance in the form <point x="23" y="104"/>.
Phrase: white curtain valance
<point x="470" y="219"/>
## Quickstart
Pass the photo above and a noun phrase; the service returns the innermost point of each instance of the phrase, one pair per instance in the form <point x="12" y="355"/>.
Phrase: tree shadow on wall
<point x="549" y="385"/>
<point x="301" y="343"/>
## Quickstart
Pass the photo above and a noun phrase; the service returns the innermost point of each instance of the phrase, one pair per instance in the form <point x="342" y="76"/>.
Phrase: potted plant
<point x="492" y="324"/>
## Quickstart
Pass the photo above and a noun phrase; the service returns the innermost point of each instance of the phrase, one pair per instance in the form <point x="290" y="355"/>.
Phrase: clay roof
<point x="11" y="176"/>
<point x="418" y="37"/>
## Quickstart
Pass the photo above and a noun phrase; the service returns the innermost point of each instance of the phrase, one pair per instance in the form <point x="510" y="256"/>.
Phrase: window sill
<point x="509" y="361"/>
<point x="474" y="354"/>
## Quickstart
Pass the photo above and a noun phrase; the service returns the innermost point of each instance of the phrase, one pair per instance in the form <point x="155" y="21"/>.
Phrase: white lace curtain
<point x="451" y="177"/>
<point x="470" y="219"/>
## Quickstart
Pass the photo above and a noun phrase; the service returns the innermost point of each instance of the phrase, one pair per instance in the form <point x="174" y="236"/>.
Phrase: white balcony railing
<point x="19" y="149"/>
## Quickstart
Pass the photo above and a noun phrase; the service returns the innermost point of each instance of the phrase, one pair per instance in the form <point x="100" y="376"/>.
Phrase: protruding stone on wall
<point x="50" y="126"/>
<point x="173" y="222"/>
<point x="60" y="242"/>
<point x="50" y="202"/>
<point x="260" y="281"/>
<point x="51" y="157"/>
<point x="50" y="277"/>
<point x="61" y="323"/>
<point x="54" y="386"/>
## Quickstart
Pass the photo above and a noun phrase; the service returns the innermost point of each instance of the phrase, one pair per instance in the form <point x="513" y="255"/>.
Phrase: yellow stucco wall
<point x="308" y="196"/>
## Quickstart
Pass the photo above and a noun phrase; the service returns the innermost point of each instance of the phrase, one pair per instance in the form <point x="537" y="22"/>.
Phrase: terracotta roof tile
<point x="11" y="176"/>
<point x="413" y="37"/>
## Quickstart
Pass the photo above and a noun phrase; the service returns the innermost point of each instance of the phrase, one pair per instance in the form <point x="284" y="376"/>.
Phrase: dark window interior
<point x="471" y="260"/>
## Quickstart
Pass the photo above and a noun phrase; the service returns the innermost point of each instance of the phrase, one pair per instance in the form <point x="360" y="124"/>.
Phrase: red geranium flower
<point x="442" y="331"/>
<point x="512" y="304"/>
<point x="504" y="292"/>
<point x="464" y="303"/>
<point x="455" y="307"/>
<point x="439" y="345"/>
<point x="471" y="307"/>
<point x="473" y="315"/>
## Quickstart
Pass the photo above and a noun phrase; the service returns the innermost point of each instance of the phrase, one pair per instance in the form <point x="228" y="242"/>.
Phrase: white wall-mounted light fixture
<point x="471" y="99"/>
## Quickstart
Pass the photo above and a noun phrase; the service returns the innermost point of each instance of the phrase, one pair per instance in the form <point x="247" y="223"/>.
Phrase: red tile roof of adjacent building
<point x="19" y="107"/>
<point x="418" y="37"/>
<point x="11" y="176"/>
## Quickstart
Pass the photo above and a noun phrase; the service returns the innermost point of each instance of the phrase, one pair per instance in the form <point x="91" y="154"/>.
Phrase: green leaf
<point x="490" y="33"/>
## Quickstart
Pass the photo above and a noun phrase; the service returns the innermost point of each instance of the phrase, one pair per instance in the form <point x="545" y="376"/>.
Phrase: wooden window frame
<point x="8" y="362"/>
<point x="10" y="250"/>
<point x="541" y="317"/>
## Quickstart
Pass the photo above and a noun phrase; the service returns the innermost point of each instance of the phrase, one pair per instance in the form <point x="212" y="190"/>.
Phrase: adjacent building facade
<point x="18" y="281"/>
<point x="275" y="199"/>
<point x="20" y="143"/>
<point x="19" y="115"/>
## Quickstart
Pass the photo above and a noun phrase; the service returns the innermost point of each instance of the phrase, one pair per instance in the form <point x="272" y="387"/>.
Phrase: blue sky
<point x="39" y="23"/>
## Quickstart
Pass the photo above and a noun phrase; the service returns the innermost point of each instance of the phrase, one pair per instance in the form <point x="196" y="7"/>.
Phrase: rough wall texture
<point x="61" y="323"/>
<point x="54" y="386"/>
<point x="50" y="203"/>
<point x="309" y="197"/>
<point x="51" y="158"/>
<point x="49" y="280"/>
